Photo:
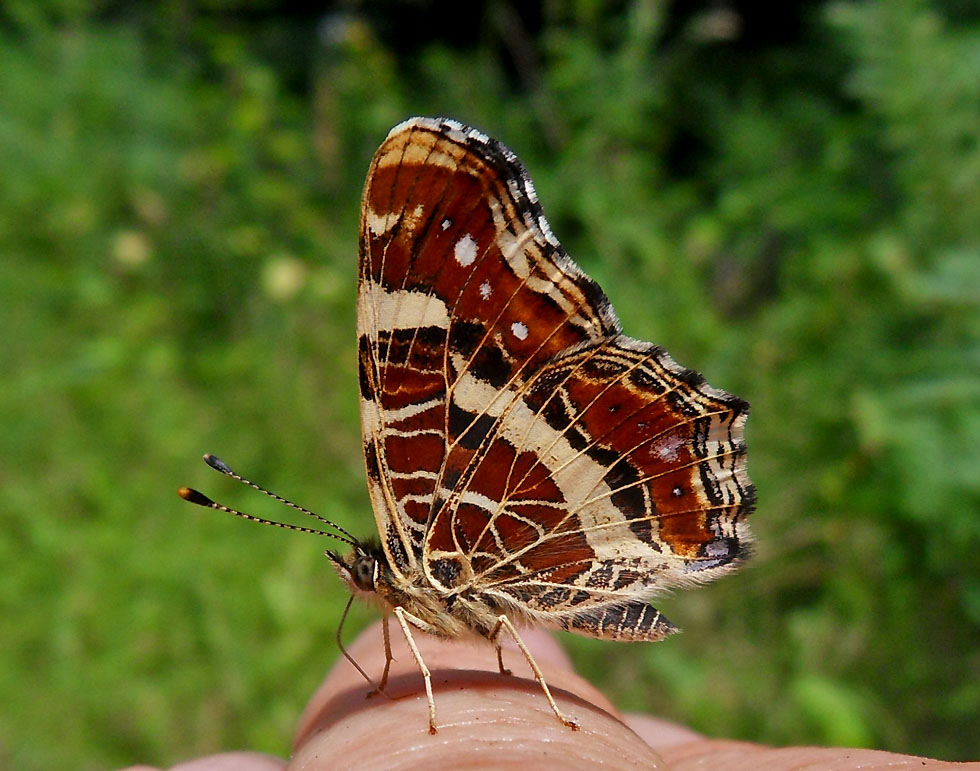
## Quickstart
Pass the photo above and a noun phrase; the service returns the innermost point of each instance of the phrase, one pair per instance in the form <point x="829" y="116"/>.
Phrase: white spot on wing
<point x="486" y="290"/>
<point x="666" y="448"/>
<point x="465" y="251"/>
<point x="379" y="224"/>
<point x="519" y="330"/>
<point x="447" y="223"/>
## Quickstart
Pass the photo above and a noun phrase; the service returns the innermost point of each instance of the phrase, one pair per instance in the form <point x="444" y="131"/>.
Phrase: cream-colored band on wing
<point x="580" y="478"/>
<point x="380" y="308"/>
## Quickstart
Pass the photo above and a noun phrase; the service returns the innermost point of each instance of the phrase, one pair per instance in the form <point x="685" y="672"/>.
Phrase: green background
<point x="787" y="201"/>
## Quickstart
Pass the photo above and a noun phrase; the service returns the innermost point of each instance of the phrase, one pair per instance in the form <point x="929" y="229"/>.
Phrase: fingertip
<point x="344" y="688"/>
<point x="478" y="709"/>
<point x="479" y="725"/>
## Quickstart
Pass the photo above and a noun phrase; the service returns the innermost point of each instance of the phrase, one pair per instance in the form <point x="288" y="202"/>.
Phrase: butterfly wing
<point x="519" y="447"/>
<point x="454" y="253"/>
<point x="616" y="474"/>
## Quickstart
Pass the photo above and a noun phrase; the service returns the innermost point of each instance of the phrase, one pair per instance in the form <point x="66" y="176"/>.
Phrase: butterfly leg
<point x="388" y="658"/>
<point x="340" y="644"/>
<point x="404" y="618"/>
<point x="505" y="623"/>
<point x="500" y="658"/>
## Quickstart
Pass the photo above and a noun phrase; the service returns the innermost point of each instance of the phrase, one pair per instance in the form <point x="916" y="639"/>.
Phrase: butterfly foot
<point x="569" y="723"/>
<point x="505" y="671"/>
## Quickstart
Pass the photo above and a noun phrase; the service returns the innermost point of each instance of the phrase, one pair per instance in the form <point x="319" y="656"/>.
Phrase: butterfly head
<point x="361" y="569"/>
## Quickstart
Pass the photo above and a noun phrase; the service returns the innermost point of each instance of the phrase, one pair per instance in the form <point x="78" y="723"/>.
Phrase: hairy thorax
<point x="445" y="614"/>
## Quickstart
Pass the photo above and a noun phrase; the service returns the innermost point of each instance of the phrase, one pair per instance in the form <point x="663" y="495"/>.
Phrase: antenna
<point x="189" y="494"/>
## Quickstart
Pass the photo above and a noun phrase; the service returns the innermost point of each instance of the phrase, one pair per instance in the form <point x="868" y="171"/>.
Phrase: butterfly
<point x="527" y="463"/>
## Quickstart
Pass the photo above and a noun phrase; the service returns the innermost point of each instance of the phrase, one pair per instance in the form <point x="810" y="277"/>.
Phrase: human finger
<point x="483" y="717"/>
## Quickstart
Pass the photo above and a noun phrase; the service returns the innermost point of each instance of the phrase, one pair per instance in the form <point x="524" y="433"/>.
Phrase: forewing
<point x="464" y="295"/>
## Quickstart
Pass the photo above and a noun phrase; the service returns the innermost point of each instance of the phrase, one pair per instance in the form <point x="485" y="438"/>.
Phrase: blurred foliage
<point x="794" y="214"/>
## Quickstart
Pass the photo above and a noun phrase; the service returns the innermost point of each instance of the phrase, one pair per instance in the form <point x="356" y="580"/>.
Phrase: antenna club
<point x="189" y="494"/>
<point x="217" y="464"/>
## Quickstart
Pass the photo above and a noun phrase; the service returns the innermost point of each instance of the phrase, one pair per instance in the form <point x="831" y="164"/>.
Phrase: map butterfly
<point x="527" y="463"/>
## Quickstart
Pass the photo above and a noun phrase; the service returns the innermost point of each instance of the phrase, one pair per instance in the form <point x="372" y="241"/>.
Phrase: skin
<point x="487" y="720"/>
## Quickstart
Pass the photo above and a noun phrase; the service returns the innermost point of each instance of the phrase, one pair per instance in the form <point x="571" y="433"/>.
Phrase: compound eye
<point x="363" y="573"/>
